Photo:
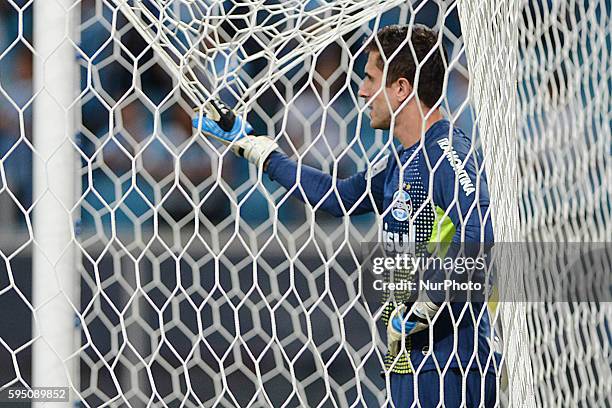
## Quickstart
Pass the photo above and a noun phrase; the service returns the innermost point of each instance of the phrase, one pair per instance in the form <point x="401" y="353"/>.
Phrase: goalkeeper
<point x="419" y="205"/>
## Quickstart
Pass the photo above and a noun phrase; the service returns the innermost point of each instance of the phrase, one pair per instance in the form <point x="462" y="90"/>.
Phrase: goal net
<point x="144" y="264"/>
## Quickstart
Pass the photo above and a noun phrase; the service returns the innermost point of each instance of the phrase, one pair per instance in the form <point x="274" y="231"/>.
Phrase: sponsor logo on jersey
<point x="396" y="242"/>
<point x="457" y="165"/>
<point x="402" y="205"/>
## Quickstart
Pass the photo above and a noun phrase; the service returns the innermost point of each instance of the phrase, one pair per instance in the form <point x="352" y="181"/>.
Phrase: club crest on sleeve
<point x="402" y="205"/>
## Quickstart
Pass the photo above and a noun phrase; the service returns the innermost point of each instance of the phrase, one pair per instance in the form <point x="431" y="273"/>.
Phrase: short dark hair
<point x="423" y="39"/>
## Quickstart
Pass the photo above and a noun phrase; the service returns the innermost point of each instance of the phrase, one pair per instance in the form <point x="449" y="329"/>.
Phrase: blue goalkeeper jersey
<point x="433" y="191"/>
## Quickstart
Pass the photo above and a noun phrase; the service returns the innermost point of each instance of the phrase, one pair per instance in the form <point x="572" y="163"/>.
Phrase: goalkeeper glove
<point x="419" y="320"/>
<point x="221" y="123"/>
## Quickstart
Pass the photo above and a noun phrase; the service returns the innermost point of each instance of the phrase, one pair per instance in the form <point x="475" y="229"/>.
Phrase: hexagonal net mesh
<point x="168" y="272"/>
<point x="565" y="191"/>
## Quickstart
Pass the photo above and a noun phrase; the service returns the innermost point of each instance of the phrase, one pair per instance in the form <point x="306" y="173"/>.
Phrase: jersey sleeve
<point x="318" y="187"/>
<point x="461" y="196"/>
<point x="460" y="189"/>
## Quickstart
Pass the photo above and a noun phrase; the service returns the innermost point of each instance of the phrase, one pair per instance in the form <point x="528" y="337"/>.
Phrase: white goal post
<point x="168" y="272"/>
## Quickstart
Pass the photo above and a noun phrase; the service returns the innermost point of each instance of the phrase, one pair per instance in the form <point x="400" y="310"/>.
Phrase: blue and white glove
<point x="399" y="326"/>
<point x="218" y="121"/>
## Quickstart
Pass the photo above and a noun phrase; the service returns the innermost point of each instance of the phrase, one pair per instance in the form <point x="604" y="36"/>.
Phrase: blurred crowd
<point x="134" y="135"/>
<point x="15" y="128"/>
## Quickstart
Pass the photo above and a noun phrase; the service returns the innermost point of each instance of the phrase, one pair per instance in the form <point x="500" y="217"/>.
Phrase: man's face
<point x="370" y="90"/>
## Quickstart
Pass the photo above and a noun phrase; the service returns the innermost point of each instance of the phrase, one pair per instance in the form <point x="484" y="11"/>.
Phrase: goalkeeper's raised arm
<point x="221" y="123"/>
<point x="430" y="189"/>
